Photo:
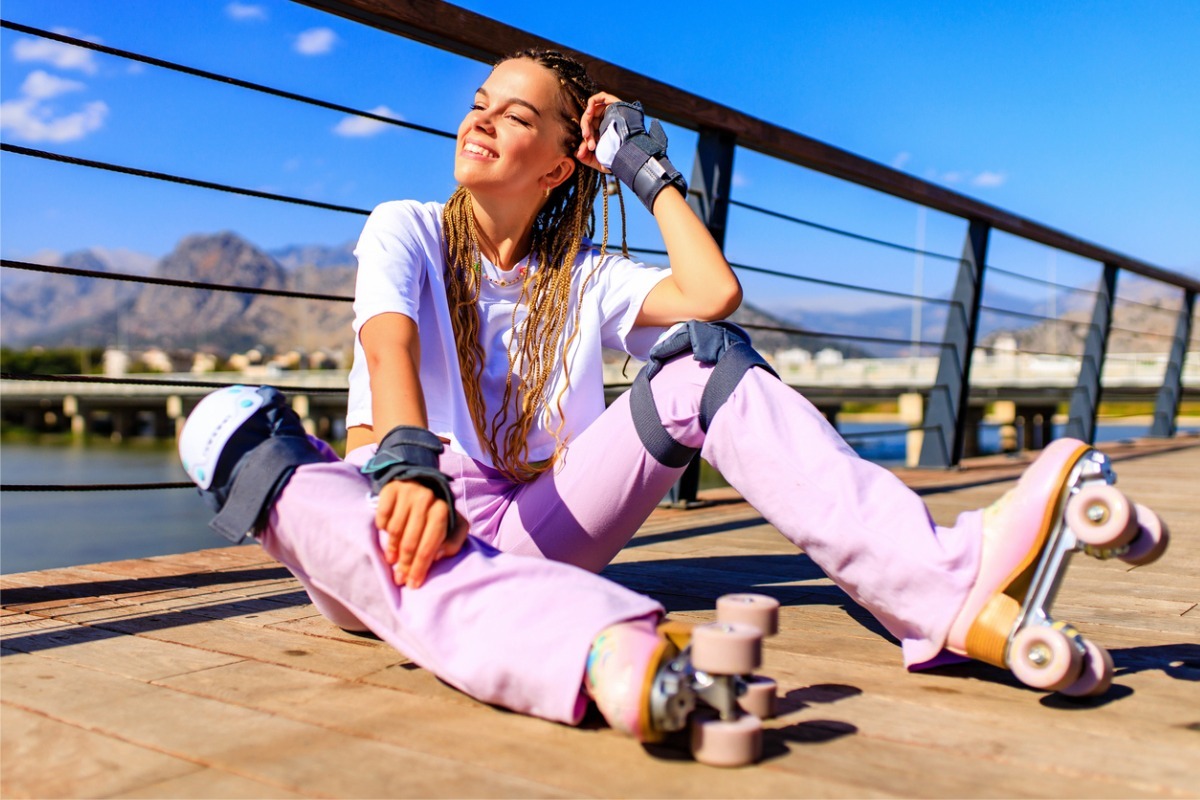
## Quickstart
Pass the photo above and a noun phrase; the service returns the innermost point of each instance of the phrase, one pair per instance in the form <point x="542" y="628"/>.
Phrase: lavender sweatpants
<point x="510" y="619"/>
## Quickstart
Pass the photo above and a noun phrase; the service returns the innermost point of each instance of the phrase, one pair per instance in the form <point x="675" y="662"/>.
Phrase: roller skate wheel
<point x="1151" y="540"/>
<point x="722" y="648"/>
<point x="759" y="698"/>
<point x="1045" y="658"/>
<point x="1097" y="673"/>
<point x="1102" y="517"/>
<point x="726" y="743"/>
<point x="750" y="609"/>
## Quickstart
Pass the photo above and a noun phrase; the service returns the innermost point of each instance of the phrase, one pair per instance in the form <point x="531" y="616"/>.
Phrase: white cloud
<point x="41" y="85"/>
<point x="739" y="180"/>
<point x="364" y="126"/>
<point x="245" y="11"/>
<point x="951" y="177"/>
<point x="901" y="159"/>
<point x="988" y="179"/>
<point x="316" y="41"/>
<point x="31" y="120"/>
<point x="63" y="56"/>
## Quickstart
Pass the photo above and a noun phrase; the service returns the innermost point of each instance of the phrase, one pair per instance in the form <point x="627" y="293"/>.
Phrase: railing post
<point x="708" y="195"/>
<point x="946" y="419"/>
<point x="1085" y="399"/>
<point x="1166" y="405"/>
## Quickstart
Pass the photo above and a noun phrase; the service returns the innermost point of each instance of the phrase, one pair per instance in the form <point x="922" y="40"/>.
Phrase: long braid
<point x="541" y="342"/>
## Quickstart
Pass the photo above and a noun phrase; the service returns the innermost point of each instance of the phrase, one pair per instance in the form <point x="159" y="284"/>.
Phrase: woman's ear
<point x="563" y="169"/>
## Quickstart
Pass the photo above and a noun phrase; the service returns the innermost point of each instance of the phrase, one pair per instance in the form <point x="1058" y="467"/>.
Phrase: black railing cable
<point x="213" y="76"/>
<point x="92" y="487"/>
<point x="22" y="376"/>
<point x="211" y="287"/>
<point x="840" y="232"/>
<point x="1035" y="317"/>
<point x="850" y="337"/>
<point x="1022" y="276"/>
<point x="162" y="176"/>
<point x="840" y="285"/>
<point x="1115" y="329"/>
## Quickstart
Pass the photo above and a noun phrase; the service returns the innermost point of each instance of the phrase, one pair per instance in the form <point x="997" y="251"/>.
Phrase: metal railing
<point x="722" y="132"/>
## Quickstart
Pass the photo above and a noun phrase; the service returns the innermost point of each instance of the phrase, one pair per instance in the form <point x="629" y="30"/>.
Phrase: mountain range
<point x="56" y="311"/>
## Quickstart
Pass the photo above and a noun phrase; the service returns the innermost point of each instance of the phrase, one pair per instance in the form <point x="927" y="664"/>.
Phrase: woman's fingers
<point x="589" y="123"/>
<point x="430" y="540"/>
<point x="414" y="522"/>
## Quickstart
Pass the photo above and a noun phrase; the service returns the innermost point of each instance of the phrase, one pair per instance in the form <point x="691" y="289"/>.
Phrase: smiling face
<point x="512" y="141"/>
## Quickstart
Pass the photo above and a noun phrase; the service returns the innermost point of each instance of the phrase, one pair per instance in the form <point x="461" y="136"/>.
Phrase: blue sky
<point x="1081" y="115"/>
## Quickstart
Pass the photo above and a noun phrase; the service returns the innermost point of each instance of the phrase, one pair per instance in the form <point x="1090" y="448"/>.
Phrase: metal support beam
<point x="1085" y="399"/>
<point x="1166" y="405"/>
<point x="947" y="415"/>
<point x="708" y="195"/>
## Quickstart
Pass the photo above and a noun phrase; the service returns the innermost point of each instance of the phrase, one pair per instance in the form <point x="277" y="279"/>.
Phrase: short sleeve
<point x="392" y="262"/>
<point x="622" y="286"/>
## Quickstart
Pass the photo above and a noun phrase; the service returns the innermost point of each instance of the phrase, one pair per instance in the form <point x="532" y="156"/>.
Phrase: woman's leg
<point x="507" y="630"/>
<point x="856" y="520"/>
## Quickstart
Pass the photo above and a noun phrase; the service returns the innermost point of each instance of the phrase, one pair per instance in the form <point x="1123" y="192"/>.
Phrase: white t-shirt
<point x="401" y="269"/>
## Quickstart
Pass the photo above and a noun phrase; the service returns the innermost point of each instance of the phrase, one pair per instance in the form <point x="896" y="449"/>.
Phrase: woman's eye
<point x="476" y="107"/>
<point x="517" y="119"/>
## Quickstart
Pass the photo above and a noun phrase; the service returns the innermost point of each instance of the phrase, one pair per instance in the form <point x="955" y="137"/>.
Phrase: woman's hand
<point x="589" y="124"/>
<point x="412" y="522"/>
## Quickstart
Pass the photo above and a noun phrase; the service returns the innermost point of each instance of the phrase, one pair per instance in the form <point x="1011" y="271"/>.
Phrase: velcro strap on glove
<point x="410" y="453"/>
<point x="640" y="161"/>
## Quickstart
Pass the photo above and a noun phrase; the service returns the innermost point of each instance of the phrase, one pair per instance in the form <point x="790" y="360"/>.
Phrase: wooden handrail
<point x="466" y="33"/>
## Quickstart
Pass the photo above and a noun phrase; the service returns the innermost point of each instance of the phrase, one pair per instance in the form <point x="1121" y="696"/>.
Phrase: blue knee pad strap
<point x="257" y="480"/>
<point x="723" y="344"/>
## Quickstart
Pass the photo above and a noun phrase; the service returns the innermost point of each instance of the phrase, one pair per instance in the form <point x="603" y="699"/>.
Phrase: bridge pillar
<point x="1036" y="425"/>
<point x="303" y="409"/>
<point x="1004" y="413"/>
<point x="1085" y="399"/>
<point x="912" y="414"/>
<point x="943" y="444"/>
<point x="1166" y="405"/>
<point x="73" y="410"/>
<point x="173" y="417"/>
<point x="708" y="195"/>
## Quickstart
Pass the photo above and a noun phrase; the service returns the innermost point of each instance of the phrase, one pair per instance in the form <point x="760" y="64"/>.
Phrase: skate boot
<point x="1064" y="503"/>
<point x="650" y="681"/>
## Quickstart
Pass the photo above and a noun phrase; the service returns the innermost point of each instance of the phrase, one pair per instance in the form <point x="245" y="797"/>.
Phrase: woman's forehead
<point x="520" y="78"/>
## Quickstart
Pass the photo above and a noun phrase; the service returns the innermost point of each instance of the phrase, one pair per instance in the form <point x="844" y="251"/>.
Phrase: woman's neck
<point x="503" y="231"/>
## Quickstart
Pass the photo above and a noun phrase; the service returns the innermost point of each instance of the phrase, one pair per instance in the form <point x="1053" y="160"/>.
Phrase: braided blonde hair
<point x="542" y="341"/>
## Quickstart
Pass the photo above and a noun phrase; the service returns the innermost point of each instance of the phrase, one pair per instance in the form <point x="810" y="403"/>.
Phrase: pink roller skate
<point x="652" y="681"/>
<point x="1065" y="502"/>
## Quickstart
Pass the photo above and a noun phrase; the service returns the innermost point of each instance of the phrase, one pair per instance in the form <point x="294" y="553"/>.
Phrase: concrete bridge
<point x="1022" y="392"/>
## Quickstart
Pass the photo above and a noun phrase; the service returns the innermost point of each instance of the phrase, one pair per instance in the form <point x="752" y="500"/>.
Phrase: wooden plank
<point x="142" y="661"/>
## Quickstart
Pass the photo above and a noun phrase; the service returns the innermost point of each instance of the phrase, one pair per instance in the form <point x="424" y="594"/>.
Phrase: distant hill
<point x="57" y="311"/>
<point x="54" y="310"/>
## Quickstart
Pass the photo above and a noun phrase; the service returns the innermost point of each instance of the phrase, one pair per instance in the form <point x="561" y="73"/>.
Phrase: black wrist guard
<point x="410" y="453"/>
<point x="641" y="163"/>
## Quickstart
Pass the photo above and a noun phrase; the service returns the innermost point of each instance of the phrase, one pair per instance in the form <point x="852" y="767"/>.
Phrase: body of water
<point x="42" y="530"/>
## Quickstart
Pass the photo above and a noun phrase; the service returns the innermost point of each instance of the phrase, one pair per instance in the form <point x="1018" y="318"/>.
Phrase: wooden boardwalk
<point x="209" y="675"/>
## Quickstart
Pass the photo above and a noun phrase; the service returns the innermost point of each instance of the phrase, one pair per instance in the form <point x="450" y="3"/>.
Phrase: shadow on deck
<point x="208" y="674"/>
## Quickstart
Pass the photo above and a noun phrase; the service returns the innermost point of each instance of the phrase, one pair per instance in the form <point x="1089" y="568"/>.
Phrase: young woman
<point x="476" y="407"/>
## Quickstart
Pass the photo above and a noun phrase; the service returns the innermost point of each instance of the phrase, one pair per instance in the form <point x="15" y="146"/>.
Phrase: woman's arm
<point x="701" y="284"/>
<point x="415" y="518"/>
<point x="393" y="349"/>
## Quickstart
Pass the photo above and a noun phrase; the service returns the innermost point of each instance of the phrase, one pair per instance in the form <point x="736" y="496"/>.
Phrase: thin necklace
<point x="522" y="269"/>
